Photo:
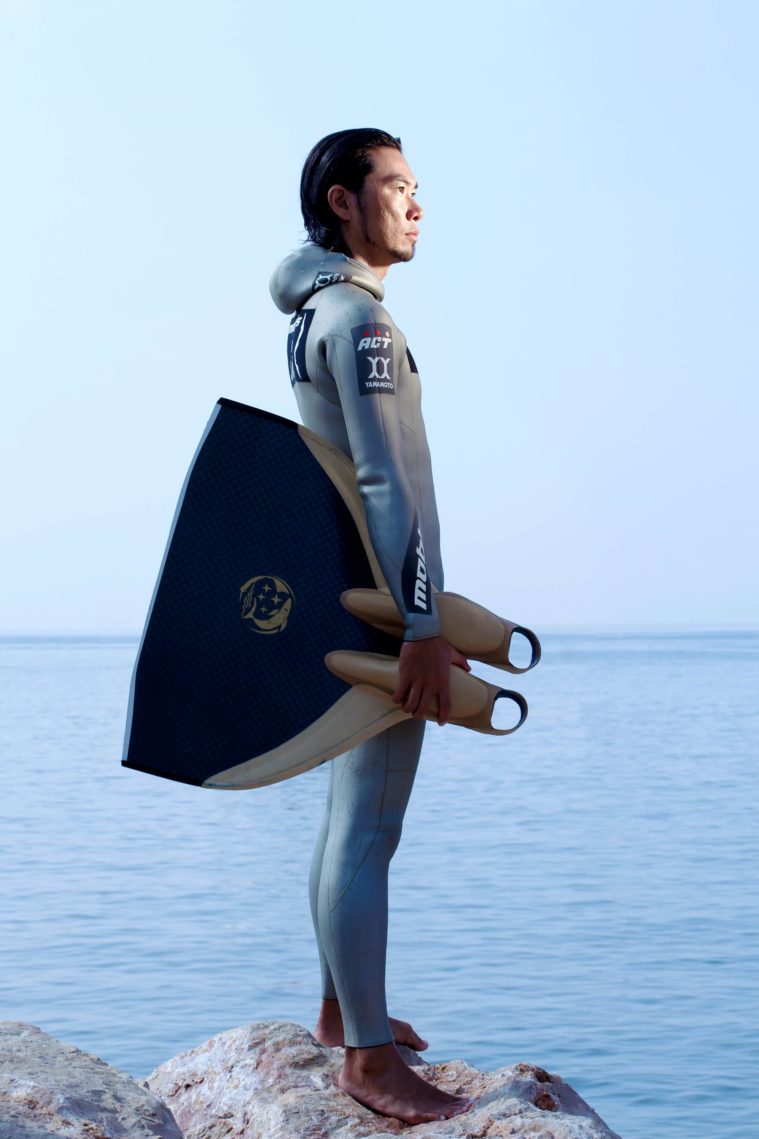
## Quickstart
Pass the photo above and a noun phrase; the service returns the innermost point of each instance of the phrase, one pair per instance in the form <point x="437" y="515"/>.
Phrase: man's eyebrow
<point x="400" y="178"/>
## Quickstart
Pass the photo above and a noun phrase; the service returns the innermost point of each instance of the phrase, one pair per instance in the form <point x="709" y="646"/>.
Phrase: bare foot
<point x="329" y="1029"/>
<point x="380" y="1079"/>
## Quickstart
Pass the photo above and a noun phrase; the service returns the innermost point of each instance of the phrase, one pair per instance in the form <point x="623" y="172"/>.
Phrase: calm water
<point x="582" y="895"/>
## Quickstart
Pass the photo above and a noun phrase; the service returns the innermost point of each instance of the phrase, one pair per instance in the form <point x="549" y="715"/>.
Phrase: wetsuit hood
<point x="312" y="268"/>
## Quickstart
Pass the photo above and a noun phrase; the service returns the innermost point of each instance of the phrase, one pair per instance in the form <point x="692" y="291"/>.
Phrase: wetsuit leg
<point x="369" y="792"/>
<point x="329" y="992"/>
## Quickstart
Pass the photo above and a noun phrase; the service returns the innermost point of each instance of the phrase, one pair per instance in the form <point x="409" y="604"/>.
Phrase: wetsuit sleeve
<point x="427" y="493"/>
<point x="429" y="513"/>
<point x="365" y="370"/>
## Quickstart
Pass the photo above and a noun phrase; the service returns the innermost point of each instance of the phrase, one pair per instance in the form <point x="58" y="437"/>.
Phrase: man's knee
<point x="389" y="835"/>
<point x="371" y="838"/>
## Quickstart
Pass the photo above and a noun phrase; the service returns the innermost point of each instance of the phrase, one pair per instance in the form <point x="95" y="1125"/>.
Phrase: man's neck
<point x="380" y="271"/>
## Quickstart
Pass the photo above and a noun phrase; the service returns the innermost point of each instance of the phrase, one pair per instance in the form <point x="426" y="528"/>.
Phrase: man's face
<point x="388" y="212"/>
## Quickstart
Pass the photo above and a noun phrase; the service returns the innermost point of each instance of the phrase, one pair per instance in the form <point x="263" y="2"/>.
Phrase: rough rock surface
<point x="48" y="1088"/>
<point x="275" y="1081"/>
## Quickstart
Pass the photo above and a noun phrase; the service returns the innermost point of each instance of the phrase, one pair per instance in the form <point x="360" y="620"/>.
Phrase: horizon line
<point x="589" y="628"/>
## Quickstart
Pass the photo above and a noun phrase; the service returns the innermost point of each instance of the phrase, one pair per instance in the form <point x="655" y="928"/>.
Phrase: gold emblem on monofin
<point x="266" y="603"/>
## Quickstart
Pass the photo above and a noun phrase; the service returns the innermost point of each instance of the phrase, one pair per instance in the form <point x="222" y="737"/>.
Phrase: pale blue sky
<point x="583" y="304"/>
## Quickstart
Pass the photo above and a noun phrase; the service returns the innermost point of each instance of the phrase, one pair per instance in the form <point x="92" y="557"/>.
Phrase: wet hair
<point x="339" y="159"/>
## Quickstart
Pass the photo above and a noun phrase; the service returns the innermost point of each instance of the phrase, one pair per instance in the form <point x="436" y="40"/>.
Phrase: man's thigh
<point x="371" y="784"/>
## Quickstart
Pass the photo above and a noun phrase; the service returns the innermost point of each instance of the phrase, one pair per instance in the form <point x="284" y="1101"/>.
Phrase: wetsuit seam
<point x="373" y="839"/>
<point x="322" y="871"/>
<point x="353" y="1020"/>
<point x="347" y="1013"/>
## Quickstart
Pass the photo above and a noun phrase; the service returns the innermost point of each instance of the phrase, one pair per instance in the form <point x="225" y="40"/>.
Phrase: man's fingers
<point x="418" y="700"/>
<point x="424" y="677"/>
<point x="412" y="700"/>
<point x="423" y="706"/>
<point x="401" y="689"/>
<point x="404" y="687"/>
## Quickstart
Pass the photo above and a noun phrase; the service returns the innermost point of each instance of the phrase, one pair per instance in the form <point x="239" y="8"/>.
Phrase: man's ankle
<point x="369" y="1059"/>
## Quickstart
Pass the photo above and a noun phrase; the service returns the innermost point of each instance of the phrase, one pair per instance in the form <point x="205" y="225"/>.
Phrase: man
<point x="357" y="385"/>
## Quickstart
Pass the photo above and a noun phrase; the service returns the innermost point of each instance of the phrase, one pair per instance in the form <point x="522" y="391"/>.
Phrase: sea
<point x="582" y="895"/>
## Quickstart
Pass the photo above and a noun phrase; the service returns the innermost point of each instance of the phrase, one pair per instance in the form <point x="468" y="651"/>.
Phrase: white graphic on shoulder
<point x="295" y="373"/>
<point x="420" y="589"/>
<point x="373" y="342"/>
<point x="297" y="334"/>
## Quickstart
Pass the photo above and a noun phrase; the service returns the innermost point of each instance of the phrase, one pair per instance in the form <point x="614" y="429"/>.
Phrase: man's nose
<point x="415" y="211"/>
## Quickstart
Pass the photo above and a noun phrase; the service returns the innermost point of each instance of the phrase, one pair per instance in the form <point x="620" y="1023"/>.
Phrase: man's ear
<point x="339" y="202"/>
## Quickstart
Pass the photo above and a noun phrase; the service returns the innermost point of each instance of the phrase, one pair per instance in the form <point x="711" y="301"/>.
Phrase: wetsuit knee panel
<point x="355" y="839"/>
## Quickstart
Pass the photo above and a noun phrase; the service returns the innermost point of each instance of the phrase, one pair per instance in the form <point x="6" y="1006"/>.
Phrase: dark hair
<point x="340" y="159"/>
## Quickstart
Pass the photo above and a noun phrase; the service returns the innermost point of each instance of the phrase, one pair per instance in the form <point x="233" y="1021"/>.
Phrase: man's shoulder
<point x="340" y="309"/>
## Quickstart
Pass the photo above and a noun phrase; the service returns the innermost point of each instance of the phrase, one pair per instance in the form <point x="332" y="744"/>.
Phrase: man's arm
<point x="366" y="374"/>
<point x="365" y="369"/>
<point x="426" y="484"/>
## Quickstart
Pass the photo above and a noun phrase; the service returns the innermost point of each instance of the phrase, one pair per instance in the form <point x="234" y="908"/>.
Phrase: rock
<point x="48" y="1088"/>
<point x="275" y="1081"/>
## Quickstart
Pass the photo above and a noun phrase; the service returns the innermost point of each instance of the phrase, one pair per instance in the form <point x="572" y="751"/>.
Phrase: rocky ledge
<point x="263" y="1081"/>
<point x="49" y="1088"/>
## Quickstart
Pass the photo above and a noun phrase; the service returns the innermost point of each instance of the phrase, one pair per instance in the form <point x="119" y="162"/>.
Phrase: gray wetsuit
<point x="357" y="385"/>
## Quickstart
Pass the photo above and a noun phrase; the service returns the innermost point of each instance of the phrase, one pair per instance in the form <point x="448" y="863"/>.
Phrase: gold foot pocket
<point x="472" y="699"/>
<point x="469" y="627"/>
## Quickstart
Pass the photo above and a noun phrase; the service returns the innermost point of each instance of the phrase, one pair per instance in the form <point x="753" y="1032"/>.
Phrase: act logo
<point x="373" y="340"/>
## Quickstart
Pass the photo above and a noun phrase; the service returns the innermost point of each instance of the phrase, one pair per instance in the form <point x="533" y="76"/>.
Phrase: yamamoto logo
<point x="379" y="370"/>
<point x="374" y="358"/>
<point x="266" y="603"/>
<point x="420" y="589"/>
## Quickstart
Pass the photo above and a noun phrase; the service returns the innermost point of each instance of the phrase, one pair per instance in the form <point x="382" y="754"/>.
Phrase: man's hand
<point x="423" y="674"/>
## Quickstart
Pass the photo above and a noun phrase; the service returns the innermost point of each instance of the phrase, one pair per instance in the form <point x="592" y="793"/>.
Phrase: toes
<point x="405" y="1034"/>
<point x="466" y="1106"/>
